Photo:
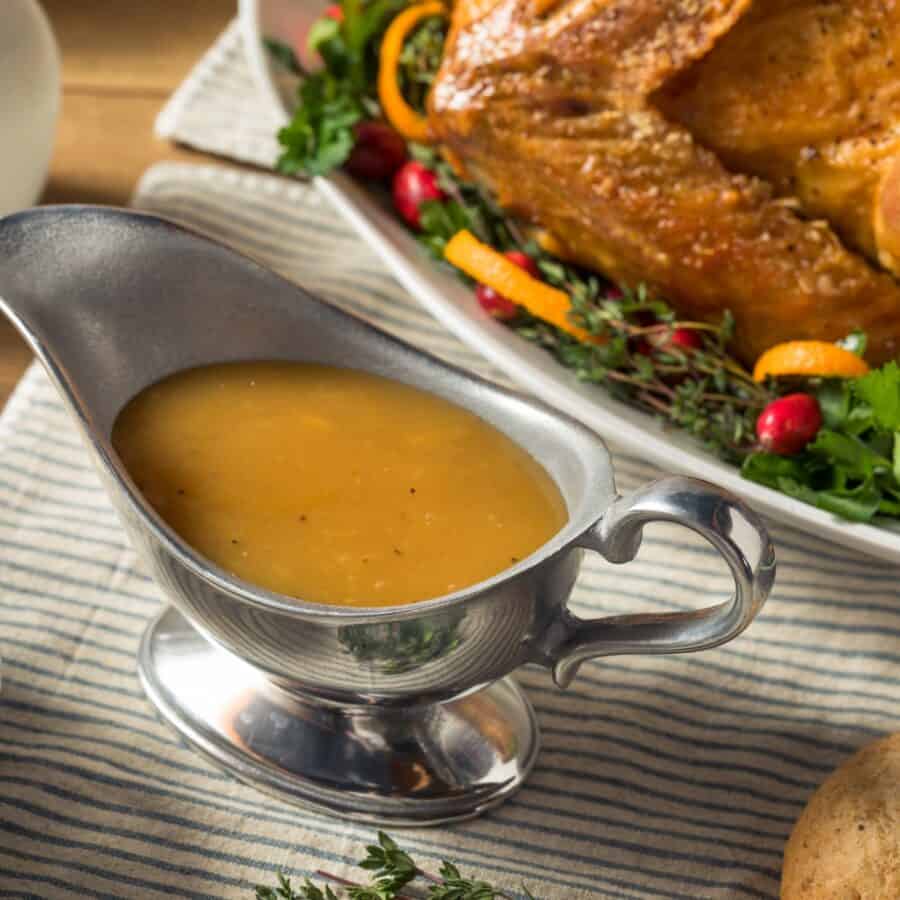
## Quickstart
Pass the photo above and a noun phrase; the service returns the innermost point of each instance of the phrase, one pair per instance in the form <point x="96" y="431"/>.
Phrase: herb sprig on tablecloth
<point x="393" y="875"/>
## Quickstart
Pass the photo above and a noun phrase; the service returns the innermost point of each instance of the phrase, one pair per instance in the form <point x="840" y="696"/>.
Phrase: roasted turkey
<point x="732" y="154"/>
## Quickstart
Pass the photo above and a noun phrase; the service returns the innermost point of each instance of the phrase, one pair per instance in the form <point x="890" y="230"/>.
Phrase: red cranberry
<point x="686" y="339"/>
<point x="414" y="184"/>
<point x="677" y="339"/>
<point x="788" y="424"/>
<point x="334" y="12"/>
<point x="523" y="261"/>
<point x="495" y="304"/>
<point x="640" y="345"/>
<point x="378" y="152"/>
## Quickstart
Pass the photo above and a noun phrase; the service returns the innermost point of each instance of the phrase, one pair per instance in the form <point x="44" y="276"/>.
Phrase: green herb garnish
<point x="852" y="468"/>
<point x="391" y="871"/>
<point x="468" y="205"/>
<point x="319" y="137"/>
<point x="420" y="60"/>
<point x="703" y="390"/>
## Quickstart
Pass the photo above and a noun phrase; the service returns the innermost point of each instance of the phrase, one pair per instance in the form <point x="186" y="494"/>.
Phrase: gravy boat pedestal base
<point x="418" y="765"/>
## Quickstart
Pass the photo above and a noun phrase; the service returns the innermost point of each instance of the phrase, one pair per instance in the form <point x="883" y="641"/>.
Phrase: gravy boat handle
<point x="734" y="530"/>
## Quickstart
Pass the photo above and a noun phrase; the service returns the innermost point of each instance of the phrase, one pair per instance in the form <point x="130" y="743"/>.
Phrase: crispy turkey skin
<point x="731" y="154"/>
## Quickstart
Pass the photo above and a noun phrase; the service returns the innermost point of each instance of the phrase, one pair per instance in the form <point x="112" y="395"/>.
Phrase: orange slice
<point x="810" y="358"/>
<point x="485" y="264"/>
<point x="412" y="125"/>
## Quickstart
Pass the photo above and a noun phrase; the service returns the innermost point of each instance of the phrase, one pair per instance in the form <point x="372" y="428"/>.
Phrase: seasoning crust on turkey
<point x="732" y="154"/>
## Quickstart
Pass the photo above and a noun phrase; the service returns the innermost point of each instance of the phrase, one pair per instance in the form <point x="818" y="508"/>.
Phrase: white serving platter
<point x="531" y="368"/>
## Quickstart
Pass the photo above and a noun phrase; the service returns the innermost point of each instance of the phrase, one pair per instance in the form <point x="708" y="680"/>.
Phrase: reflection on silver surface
<point x="357" y="761"/>
<point x="398" y="713"/>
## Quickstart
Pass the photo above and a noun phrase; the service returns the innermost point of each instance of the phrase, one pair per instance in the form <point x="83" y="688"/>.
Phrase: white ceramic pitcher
<point x="29" y="102"/>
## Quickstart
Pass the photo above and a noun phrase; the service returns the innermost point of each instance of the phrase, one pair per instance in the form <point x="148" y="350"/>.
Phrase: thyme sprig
<point x="393" y="876"/>
<point x="702" y="390"/>
<point x="333" y="99"/>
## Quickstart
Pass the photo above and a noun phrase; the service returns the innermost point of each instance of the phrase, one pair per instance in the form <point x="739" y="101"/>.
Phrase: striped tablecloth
<point x="663" y="777"/>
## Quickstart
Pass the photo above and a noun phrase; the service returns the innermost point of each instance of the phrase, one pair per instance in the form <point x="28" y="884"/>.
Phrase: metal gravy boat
<point x="400" y="714"/>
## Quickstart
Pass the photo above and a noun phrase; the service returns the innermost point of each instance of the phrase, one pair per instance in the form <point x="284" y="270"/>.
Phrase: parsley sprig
<point x="393" y="876"/>
<point x="852" y="468"/>
<point x="333" y="99"/>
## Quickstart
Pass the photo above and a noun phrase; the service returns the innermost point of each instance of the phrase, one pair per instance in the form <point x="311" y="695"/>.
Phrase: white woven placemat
<point x="669" y="777"/>
<point x="217" y="109"/>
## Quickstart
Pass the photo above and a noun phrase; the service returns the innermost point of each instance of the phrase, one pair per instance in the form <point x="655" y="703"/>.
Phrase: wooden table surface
<point x="121" y="60"/>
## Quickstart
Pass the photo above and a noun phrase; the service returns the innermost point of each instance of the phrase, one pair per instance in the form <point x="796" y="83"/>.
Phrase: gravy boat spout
<point x="399" y="714"/>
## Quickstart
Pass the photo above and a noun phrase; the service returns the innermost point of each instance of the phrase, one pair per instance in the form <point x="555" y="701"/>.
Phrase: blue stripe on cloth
<point x="52" y="840"/>
<point x="650" y="748"/>
<point x="130" y="833"/>
<point x="430" y="850"/>
<point x="176" y="766"/>
<point x="121" y="832"/>
<point x="34" y="878"/>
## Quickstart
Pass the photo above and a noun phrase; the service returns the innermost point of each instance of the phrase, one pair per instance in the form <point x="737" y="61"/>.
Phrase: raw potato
<point x="846" y="843"/>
